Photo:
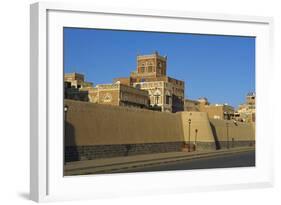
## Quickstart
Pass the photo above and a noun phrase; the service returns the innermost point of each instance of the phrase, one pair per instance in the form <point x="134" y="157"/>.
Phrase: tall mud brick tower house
<point x="151" y="75"/>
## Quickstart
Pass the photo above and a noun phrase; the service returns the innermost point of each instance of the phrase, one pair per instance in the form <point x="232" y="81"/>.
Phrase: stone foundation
<point x="200" y="146"/>
<point x="233" y="144"/>
<point x="75" y="153"/>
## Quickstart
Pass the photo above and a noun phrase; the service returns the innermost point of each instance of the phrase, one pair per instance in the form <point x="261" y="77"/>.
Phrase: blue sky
<point x="221" y="68"/>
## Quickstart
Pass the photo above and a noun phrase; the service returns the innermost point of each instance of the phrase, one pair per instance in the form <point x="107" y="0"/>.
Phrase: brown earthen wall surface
<point x="238" y="131"/>
<point x="199" y="121"/>
<point x="95" y="124"/>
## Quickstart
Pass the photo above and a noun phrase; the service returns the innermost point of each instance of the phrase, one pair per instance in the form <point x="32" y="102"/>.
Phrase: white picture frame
<point x="46" y="102"/>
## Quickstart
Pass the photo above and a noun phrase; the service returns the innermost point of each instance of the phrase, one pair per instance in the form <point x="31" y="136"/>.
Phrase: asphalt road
<point x="244" y="159"/>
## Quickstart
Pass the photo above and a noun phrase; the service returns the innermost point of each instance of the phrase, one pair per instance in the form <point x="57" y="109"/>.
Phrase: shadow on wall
<point x="70" y="149"/>
<point x="218" y="146"/>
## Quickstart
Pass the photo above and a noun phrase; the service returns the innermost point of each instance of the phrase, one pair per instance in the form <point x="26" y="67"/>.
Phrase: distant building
<point x="214" y="111"/>
<point x="76" y="80"/>
<point x="151" y="75"/>
<point x="219" y="111"/>
<point x="203" y="102"/>
<point x="73" y="93"/>
<point x="247" y="111"/>
<point x="73" y="82"/>
<point x="191" y="105"/>
<point x="118" y="95"/>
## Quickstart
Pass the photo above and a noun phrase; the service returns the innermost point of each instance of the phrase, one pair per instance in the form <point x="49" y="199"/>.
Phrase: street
<point x="244" y="159"/>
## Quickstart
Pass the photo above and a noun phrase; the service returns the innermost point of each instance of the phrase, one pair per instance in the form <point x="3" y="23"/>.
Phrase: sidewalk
<point x="122" y="163"/>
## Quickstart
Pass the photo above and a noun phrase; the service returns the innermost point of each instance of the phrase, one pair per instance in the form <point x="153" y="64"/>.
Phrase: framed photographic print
<point x="123" y="97"/>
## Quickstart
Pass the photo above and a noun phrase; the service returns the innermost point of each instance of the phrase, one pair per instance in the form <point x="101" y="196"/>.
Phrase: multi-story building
<point x="151" y="75"/>
<point x="149" y="81"/>
<point x="159" y="94"/>
<point x="118" y="95"/>
<point x="76" y="88"/>
<point x="247" y="111"/>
